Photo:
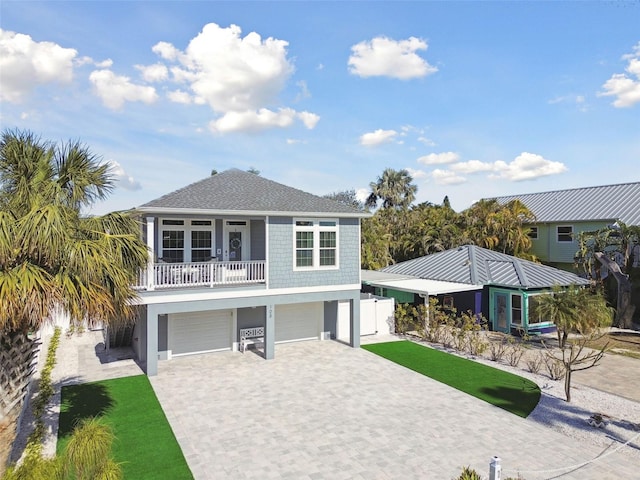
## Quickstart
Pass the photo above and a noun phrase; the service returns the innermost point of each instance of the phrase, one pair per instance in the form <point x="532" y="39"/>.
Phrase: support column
<point x="152" y="341"/>
<point x="354" y="331"/>
<point x="151" y="243"/>
<point x="270" y="332"/>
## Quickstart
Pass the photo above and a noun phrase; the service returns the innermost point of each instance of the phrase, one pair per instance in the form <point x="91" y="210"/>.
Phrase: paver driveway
<point x="324" y="410"/>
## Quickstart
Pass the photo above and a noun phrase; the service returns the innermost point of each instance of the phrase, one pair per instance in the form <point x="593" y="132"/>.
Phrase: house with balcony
<point x="562" y="214"/>
<point x="236" y="254"/>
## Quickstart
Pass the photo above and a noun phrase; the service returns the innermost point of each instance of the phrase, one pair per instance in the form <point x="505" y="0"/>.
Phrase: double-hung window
<point x="186" y="241"/>
<point x="173" y="240"/>
<point x="316" y="244"/>
<point x="200" y="240"/>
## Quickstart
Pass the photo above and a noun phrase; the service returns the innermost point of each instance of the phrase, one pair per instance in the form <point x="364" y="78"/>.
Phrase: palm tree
<point x="51" y="255"/>
<point x="394" y="188"/>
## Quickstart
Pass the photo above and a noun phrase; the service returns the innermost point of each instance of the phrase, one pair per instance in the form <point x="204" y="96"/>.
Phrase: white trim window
<point x="564" y="233"/>
<point x="186" y="241"/>
<point x="315" y="244"/>
<point x="172" y="235"/>
<point x="533" y="233"/>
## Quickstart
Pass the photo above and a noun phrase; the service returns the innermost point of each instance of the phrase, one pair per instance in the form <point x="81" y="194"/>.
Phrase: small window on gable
<point x="533" y="233"/>
<point x="564" y="233"/>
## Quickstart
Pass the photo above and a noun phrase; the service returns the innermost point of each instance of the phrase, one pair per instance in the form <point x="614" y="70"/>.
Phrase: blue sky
<point x="475" y="99"/>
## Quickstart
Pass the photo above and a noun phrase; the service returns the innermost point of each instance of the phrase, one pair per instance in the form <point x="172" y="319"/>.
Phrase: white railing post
<point x="151" y="273"/>
<point x="495" y="469"/>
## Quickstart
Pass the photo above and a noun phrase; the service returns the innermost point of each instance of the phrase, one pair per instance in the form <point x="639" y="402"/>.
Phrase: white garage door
<point x="197" y="332"/>
<point x="299" y="321"/>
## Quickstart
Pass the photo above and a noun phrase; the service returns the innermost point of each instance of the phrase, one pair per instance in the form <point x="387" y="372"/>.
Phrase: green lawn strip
<point x="502" y="389"/>
<point x="145" y="444"/>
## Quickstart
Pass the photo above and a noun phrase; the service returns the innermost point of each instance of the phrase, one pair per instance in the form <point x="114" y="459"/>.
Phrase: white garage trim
<point x="300" y="321"/>
<point x="200" y="332"/>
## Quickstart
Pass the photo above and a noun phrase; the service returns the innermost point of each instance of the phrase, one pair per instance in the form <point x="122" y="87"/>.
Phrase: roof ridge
<point x="566" y="190"/>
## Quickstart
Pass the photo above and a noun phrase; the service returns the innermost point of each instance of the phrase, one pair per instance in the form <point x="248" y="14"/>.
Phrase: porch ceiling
<point x="414" y="285"/>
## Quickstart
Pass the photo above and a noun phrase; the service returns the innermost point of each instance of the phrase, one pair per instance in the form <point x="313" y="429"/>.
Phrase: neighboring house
<point x="237" y="251"/>
<point x="501" y="287"/>
<point x="562" y="214"/>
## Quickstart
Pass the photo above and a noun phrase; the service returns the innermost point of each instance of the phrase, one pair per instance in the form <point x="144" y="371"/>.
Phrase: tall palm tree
<point x="394" y="188"/>
<point x="51" y="255"/>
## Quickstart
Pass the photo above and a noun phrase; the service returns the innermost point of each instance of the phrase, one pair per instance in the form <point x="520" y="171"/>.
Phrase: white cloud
<point x="166" y="51"/>
<point x="154" y="73"/>
<point x="625" y="88"/>
<point x="362" y="194"/>
<point x="114" y="89"/>
<point x="472" y="166"/>
<point x="251" y="121"/>
<point x="378" y="137"/>
<point x="238" y="77"/>
<point x="309" y="119"/>
<point x="427" y="141"/>
<point x="526" y="166"/>
<point x="105" y="63"/>
<point x="24" y="64"/>
<point x="447" y="177"/>
<point x="416" y="174"/>
<point x="439" y="158"/>
<point x="386" y="57"/>
<point x="124" y="180"/>
<point x="178" y="96"/>
<point x="304" y="91"/>
<point x="232" y="73"/>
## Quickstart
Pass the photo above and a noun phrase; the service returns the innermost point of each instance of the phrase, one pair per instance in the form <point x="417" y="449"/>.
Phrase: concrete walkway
<point x="322" y="410"/>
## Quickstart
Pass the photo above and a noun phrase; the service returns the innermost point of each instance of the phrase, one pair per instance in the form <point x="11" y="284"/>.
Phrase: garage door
<point x="299" y="321"/>
<point x="197" y="332"/>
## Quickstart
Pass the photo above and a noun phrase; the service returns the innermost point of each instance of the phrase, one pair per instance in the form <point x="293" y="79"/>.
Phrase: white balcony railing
<point x="201" y="274"/>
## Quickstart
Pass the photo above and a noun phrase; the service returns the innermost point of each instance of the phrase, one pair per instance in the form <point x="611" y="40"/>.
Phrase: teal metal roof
<point x="605" y="203"/>
<point x="475" y="265"/>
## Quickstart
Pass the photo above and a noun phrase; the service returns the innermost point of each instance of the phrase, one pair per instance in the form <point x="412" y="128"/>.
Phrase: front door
<point x="500" y="319"/>
<point x="236" y="243"/>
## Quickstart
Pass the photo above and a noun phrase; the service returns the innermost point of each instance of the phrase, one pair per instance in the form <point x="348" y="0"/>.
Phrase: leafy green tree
<point x="580" y="316"/>
<point x="346" y="197"/>
<point x="500" y="227"/>
<point x="51" y="255"/>
<point x="394" y="188"/>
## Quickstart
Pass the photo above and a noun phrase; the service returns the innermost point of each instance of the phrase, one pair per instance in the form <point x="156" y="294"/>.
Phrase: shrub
<point x="554" y="367"/>
<point x="534" y="363"/>
<point x="498" y="349"/>
<point x="514" y="352"/>
<point x="468" y="474"/>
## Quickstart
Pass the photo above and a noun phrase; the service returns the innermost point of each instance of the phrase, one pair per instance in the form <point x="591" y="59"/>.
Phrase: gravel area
<point x="622" y="416"/>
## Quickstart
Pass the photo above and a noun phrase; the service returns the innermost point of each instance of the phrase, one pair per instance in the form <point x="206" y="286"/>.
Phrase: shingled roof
<point x="608" y="202"/>
<point x="475" y="265"/>
<point x="237" y="192"/>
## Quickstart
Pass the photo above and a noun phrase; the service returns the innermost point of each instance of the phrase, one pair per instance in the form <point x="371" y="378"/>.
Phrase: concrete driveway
<point x="322" y="410"/>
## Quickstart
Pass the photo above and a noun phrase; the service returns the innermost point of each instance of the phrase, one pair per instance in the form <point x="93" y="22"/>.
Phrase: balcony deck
<point x="164" y="276"/>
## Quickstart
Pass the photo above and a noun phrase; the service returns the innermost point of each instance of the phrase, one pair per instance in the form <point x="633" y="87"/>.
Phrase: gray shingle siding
<point x="281" y="254"/>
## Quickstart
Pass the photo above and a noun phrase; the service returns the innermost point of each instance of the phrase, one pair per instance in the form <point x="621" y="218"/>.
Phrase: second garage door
<point x="301" y="321"/>
<point x="197" y="332"/>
